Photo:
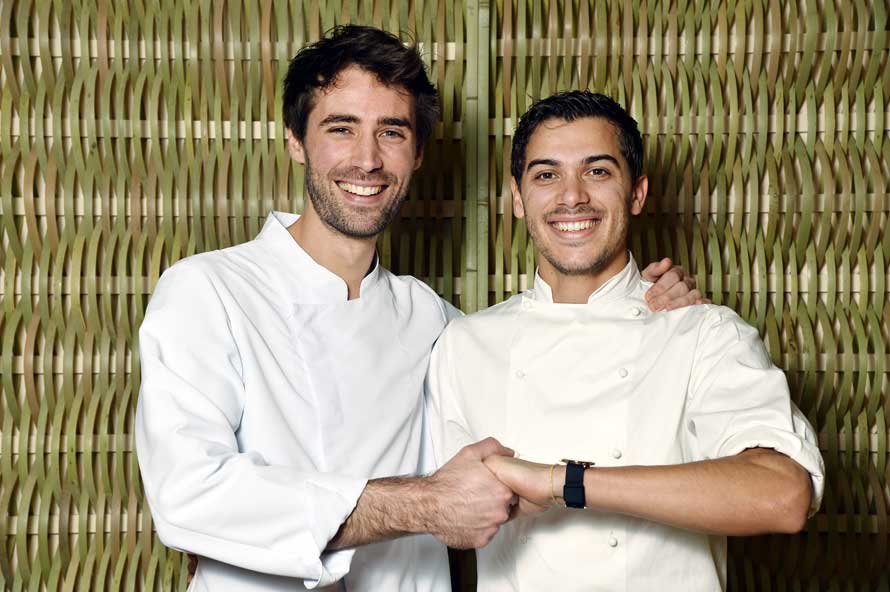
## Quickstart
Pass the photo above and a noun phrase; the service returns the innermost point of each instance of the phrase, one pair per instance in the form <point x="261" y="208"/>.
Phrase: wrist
<point x="556" y="482"/>
<point x="571" y="475"/>
<point x="425" y="498"/>
<point x="406" y="505"/>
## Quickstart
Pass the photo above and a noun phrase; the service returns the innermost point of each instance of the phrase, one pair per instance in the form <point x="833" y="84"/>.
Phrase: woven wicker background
<point x="132" y="135"/>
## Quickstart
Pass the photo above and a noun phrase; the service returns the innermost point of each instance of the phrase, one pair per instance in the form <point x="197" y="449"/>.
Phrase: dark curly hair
<point x="316" y="66"/>
<point x="577" y="104"/>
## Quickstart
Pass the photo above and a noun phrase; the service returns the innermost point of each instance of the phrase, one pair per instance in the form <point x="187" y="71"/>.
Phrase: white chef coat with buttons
<point x="612" y="383"/>
<point x="267" y="401"/>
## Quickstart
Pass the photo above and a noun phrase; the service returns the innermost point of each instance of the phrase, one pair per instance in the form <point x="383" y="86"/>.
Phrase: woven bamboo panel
<point x="132" y="135"/>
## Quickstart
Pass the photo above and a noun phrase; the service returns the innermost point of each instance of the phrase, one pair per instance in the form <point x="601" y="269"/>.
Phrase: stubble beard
<point x="347" y="221"/>
<point x="600" y="260"/>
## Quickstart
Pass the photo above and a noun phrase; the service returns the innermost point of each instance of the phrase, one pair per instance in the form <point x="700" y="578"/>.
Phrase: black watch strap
<point x="573" y="491"/>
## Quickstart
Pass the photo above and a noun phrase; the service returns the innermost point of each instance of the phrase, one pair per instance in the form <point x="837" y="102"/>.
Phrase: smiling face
<point x="359" y="152"/>
<point x="576" y="196"/>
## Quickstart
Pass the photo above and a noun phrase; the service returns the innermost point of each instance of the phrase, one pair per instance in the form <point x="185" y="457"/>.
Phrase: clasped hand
<point x="480" y="489"/>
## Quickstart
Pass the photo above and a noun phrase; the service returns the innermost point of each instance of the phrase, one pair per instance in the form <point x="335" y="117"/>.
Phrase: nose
<point x="574" y="193"/>
<point x="366" y="153"/>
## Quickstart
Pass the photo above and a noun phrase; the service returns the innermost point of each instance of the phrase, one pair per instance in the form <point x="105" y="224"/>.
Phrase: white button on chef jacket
<point x="267" y="401"/>
<point x="701" y="386"/>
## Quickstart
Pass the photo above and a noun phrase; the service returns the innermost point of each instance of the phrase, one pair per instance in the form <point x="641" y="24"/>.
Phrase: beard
<point x="347" y="219"/>
<point x="599" y="259"/>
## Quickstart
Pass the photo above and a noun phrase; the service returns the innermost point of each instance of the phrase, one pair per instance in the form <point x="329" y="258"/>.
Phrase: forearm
<point x="755" y="492"/>
<point x="387" y="509"/>
<point x="462" y="504"/>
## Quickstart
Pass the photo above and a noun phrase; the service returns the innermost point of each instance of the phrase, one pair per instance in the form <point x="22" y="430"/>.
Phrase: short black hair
<point x="317" y="65"/>
<point x="578" y="104"/>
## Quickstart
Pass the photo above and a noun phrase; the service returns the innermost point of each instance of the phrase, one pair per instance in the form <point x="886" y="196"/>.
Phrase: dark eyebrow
<point x="344" y="118"/>
<point x="596" y="157"/>
<point x="396" y="121"/>
<point x="542" y="162"/>
<point x="339" y="118"/>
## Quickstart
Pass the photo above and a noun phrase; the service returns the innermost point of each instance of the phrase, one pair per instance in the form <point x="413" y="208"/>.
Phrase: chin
<point x="568" y="266"/>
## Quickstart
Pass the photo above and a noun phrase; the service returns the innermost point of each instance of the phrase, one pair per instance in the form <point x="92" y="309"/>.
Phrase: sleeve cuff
<point x="334" y="565"/>
<point x="799" y="446"/>
<point x="340" y="495"/>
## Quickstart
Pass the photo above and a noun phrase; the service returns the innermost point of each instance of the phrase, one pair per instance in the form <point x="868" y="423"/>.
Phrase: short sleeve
<point x="738" y="399"/>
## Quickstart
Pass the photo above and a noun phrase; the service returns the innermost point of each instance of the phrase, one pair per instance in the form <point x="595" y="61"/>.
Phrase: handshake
<point x="481" y="488"/>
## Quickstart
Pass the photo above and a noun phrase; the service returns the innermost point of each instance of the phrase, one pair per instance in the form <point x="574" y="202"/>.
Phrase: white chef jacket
<point x="268" y="399"/>
<point x="612" y="383"/>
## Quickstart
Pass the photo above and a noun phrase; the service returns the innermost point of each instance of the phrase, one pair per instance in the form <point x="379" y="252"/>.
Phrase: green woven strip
<point x="132" y="135"/>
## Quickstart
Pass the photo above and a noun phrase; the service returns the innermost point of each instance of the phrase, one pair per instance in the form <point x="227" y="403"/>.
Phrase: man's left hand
<point x="674" y="288"/>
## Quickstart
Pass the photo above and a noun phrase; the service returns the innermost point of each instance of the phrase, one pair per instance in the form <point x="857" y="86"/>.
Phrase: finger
<point x="685" y="300"/>
<point x="673" y="298"/>
<point x="514" y="500"/>
<point x="667" y="281"/>
<point x="656" y="269"/>
<point x="487" y="447"/>
<point x="666" y="293"/>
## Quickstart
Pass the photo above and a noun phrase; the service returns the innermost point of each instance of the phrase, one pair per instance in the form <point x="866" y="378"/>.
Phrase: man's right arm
<point x="462" y="504"/>
<point x="206" y="495"/>
<point x="209" y="498"/>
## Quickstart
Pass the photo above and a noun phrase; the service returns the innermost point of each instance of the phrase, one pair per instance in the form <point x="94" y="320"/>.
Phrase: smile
<point x="575" y="225"/>
<point x="360" y="189"/>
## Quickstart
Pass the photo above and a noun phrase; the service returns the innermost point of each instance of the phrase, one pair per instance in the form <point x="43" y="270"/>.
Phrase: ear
<point x="418" y="160"/>
<point x="638" y="195"/>
<point x="295" y="147"/>
<point x="518" y="207"/>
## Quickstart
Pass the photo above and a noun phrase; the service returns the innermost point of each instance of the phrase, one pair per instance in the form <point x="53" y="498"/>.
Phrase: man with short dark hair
<point x="682" y="429"/>
<point x="283" y="378"/>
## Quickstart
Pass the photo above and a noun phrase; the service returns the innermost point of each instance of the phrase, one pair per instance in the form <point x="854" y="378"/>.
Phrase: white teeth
<point x="359" y="189"/>
<point x="575" y="226"/>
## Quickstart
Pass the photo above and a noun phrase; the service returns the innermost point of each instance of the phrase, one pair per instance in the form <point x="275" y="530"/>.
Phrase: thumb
<point x="655" y="270"/>
<point x="487" y="447"/>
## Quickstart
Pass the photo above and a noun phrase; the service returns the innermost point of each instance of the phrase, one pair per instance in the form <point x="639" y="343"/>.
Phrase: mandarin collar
<point x="620" y="285"/>
<point x="307" y="281"/>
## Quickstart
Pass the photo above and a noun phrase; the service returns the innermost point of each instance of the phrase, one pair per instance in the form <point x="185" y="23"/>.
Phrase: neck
<point x="347" y="257"/>
<point x="576" y="289"/>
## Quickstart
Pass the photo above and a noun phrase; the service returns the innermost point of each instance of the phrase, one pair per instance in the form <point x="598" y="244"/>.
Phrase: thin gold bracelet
<point x="552" y="495"/>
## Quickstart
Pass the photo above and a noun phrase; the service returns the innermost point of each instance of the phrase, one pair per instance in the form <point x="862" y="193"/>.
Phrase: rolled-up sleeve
<point x="739" y="399"/>
<point x="206" y="496"/>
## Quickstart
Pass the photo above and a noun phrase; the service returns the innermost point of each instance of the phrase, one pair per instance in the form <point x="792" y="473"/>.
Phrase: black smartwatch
<point x="573" y="491"/>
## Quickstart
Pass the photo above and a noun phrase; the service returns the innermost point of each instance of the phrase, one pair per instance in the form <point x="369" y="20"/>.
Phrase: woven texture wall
<point x="132" y="135"/>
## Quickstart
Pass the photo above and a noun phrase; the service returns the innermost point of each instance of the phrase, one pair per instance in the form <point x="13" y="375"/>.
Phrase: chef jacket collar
<point x="620" y="285"/>
<point x="306" y="279"/>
